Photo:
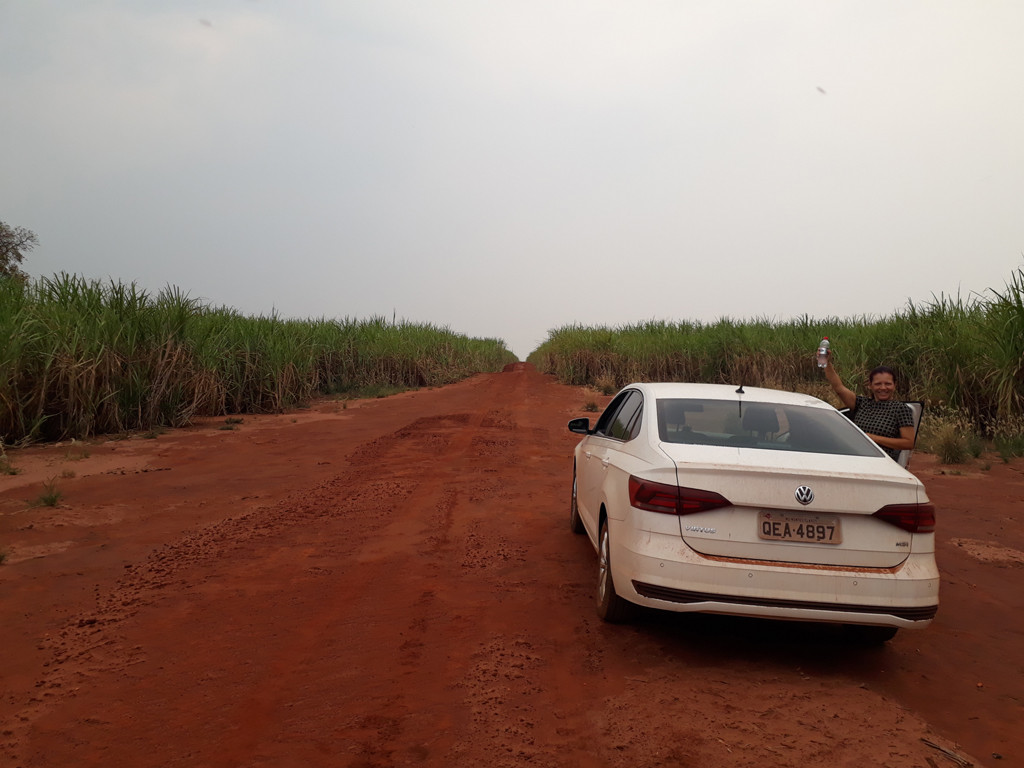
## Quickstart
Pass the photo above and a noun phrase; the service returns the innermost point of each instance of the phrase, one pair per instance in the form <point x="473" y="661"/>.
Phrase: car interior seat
<point x="672" y="424"/>
<point x="761" y="420"/>
<point x="671" y="417"/>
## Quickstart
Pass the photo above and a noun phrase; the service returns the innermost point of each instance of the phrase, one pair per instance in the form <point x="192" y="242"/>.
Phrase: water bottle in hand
<point x="823" y="353"/>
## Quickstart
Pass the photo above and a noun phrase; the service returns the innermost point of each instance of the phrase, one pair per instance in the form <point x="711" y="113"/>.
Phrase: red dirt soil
<point x="394" y="583"/>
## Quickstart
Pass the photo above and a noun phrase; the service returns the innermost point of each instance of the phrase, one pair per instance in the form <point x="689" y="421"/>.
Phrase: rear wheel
<point x="575" y="521"/>
<point x="610" y="606"/>
<point x="864" y="634"/>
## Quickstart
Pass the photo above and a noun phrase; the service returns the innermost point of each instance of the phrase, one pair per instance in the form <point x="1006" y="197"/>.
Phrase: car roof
<point x="678" y="389"/>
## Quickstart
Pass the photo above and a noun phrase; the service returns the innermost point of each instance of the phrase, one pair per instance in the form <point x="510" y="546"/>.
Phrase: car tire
<point x="575" y="521"/>
<point x="610" y="607"/>
<point x="863" y="634"/>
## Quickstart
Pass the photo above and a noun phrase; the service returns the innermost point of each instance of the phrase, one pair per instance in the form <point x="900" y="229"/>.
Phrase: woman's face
<point x="882" y="386"/>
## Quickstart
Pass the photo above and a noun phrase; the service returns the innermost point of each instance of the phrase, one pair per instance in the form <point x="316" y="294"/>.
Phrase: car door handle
<point x="588" y="454"/>
<point x="604" y="463"/>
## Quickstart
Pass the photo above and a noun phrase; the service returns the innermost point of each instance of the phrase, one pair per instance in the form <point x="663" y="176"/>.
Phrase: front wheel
<point x="610" y="606"/>
<point x="575" y="521"/>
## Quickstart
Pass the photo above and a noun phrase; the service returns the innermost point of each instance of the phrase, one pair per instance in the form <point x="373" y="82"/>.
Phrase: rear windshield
<point x="769" y="426"/>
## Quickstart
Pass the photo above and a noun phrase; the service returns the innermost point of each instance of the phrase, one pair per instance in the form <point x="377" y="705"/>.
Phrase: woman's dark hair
<point x="881" y="369"/>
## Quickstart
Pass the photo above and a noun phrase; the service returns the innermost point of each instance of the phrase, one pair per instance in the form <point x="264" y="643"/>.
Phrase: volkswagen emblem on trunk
<point x="804" y="495"/>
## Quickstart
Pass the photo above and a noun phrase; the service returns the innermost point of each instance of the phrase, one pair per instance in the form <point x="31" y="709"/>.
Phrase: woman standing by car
<point x="888" y="422"/>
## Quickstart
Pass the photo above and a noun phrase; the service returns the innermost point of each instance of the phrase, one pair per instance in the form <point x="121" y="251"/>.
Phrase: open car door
<point x="917" y="409"/>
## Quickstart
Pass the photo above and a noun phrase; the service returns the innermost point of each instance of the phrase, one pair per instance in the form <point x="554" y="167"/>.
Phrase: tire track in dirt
<point x="359" y="503"/>
<point x="425" y="546"/>
<point x="93" y="645"/>
<point x="417" y="520"/>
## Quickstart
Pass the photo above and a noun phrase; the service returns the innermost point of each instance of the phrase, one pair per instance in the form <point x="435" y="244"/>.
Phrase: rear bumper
<point x="660" y="571"/>
<point x="919" y="616"/>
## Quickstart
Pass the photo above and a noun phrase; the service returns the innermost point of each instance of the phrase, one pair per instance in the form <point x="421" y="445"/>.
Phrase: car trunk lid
<point x="795" y="507"/>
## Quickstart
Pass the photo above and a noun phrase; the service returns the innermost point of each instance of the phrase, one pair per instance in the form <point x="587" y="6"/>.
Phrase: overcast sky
<point x="504" y="168"/>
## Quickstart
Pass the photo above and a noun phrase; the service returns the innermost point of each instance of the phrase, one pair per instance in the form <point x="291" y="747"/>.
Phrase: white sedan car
<point x="752" y="502"/>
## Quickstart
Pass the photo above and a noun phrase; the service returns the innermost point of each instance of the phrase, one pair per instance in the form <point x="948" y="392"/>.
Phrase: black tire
<point x="575" y="521"/>
<point x="864" y="634"/>
<point x="610" y="607"/>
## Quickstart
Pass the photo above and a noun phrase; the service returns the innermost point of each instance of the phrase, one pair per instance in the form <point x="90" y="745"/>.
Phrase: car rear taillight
<point x="671" y="499"/>
<point x="915" y="518"/>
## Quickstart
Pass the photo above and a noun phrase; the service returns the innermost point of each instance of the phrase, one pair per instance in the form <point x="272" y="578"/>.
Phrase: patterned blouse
<point x="884" y="418"/>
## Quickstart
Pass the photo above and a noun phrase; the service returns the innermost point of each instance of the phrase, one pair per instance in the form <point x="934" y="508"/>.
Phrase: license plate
<point x="797" y="526"/>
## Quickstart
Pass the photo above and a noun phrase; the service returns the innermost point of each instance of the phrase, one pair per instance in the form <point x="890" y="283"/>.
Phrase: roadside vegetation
<point x="50" y="495"/>
<point x="963" y="356"/>
<point x="6" y="468"/>
<point x="80" y="357"/>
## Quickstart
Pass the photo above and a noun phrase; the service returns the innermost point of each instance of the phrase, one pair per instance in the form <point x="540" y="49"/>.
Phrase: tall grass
<point x="958" y="353"/>
<point x="80" y="357"/>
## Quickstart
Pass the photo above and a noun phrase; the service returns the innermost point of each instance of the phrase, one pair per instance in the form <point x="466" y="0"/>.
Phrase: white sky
<point x="504" y="168"/>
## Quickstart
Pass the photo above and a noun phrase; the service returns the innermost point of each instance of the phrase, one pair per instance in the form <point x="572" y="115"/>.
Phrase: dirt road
<point x="394" y="583"/>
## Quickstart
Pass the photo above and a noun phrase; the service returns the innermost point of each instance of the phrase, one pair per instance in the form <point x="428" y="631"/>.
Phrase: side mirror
<point x="580" y="426"/>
